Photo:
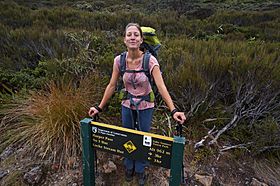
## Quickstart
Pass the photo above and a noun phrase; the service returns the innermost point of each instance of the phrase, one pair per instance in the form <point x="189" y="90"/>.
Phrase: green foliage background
<point x="212" y="53"/>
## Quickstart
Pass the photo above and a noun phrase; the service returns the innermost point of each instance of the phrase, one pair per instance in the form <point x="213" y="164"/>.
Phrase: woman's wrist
<point x="98" y="108"/>
<point x="173" y="112"/>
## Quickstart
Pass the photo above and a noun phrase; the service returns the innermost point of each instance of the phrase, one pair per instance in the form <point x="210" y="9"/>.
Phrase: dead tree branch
<point x="252" y="103"/>
<point x="202" y="141"/>
<point x="268" y="148"/>
<point x="240" y="146"/>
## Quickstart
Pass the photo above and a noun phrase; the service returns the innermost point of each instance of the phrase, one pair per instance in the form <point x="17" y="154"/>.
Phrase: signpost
<point x="159" y="150"/>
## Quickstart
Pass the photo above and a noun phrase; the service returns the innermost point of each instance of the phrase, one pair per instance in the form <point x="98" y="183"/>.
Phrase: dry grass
<point x="14" y="179"/>
<point x="47" y="123"/>
<point x="268" y="171"/>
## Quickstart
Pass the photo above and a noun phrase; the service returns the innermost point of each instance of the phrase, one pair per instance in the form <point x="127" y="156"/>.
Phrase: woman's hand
<point x="93" y="111"/>
<point x="180" y="117"/>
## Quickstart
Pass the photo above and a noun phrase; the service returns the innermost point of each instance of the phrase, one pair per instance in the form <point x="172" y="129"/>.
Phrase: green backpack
<point x="151" y="43"/>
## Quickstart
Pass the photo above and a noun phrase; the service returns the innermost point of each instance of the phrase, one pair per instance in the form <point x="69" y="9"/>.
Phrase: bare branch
<point x="267" y="148"/>
<point x="231" y="124"/>
<point x="209" y="135"/>
<point x="252" y="103"/>
<point x="200" y="100"/>
<point x="240" y="146"/>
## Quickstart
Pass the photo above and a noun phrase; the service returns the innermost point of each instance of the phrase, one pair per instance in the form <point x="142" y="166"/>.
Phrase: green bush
<point x="208" y="63"/>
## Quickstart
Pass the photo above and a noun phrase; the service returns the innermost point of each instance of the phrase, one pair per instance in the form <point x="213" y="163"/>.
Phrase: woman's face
<point x="133" y="38"/>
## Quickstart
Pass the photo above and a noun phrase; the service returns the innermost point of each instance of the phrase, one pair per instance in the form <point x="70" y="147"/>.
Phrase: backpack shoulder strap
<point x="122" y="63"/>
<point x="145" y="65"/>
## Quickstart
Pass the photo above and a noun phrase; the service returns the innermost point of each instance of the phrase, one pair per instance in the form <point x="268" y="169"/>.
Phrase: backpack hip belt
<point x="125" y="95"/>
<point x="136" y="104"/>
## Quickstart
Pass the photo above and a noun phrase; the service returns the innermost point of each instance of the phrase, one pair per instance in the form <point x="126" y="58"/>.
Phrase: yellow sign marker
<point x="129" y="146"/>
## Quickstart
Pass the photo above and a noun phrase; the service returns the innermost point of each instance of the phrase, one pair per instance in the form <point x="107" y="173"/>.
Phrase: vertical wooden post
<point x="88" y="153"/>
<point x="177" y="161"/>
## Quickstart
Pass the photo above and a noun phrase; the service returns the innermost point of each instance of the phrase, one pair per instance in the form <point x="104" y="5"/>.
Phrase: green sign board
<point x="158" y="150"/>
<point x="132" y="144"/>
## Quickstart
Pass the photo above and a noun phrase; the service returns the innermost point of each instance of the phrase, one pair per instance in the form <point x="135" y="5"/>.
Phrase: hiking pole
<point x="179" y="131"/>
<point x="95" y="118"/>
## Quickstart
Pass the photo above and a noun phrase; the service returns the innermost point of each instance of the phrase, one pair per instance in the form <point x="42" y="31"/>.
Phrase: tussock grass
<point x="268" y="170"/>
<point x="14" y="178"/>
<point x="47" y="124"/>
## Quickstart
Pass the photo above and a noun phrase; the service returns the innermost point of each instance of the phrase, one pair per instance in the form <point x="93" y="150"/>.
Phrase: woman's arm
<point x="178" y="116"/>
<point x="109" y="91"/>
<point x="162" y="88"/>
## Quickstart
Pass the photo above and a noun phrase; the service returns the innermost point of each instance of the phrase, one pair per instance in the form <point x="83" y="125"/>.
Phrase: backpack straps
<point x="127" y="95"/>
<point x="122" y="69"/>
<point x="123" y="63"/>
<point x="146" y="67"/>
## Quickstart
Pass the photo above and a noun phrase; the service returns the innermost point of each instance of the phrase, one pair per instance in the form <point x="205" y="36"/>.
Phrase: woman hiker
<point x="137" y="110"/>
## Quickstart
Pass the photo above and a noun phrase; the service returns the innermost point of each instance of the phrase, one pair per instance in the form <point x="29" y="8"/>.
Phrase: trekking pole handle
<point x="179" y="129"/>
<point x="95" y="117"/>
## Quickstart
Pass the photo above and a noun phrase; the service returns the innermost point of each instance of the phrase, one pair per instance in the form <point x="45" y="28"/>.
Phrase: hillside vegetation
<point x="220" y="61"/>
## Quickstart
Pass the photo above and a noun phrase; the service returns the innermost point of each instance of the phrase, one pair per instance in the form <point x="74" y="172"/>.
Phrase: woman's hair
<point x="136" y="25"/>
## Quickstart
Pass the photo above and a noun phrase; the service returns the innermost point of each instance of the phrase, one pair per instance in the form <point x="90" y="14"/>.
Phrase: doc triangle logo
<point x="129" y="146"/>
<point x="94" y="129"/>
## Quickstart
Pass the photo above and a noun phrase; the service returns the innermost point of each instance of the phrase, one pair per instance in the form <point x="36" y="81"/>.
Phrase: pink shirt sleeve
<point x="116" y="65"/>
<point x="153" y="63"/>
